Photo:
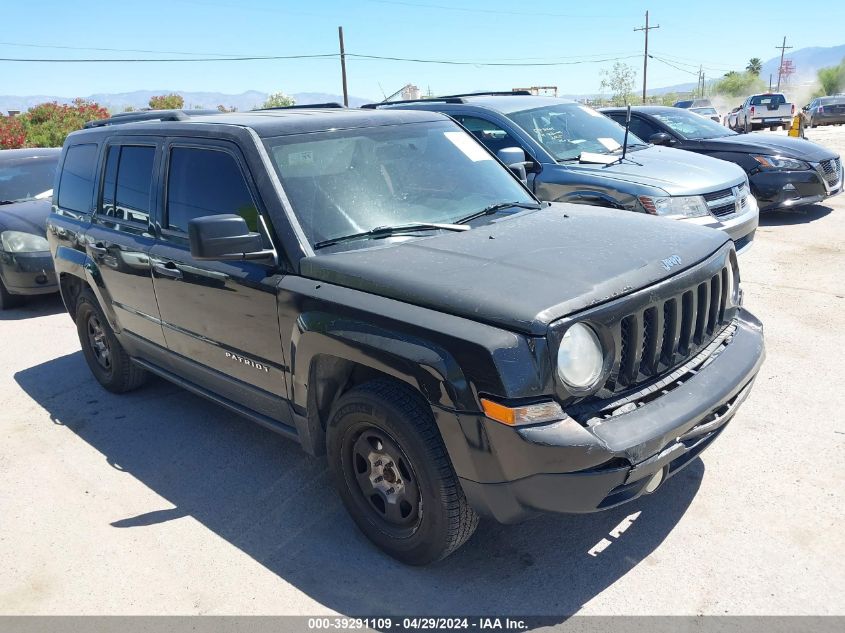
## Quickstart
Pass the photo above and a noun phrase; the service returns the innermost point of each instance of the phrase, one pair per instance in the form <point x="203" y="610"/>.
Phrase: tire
<point x="414" y="508"/>
<point x="108" y="361"/>
<point x="7" y="299"/>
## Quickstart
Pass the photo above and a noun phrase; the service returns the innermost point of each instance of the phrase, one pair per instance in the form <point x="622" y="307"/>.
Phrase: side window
<point x="206" y="182"/>
<point x="642" y="128"/>
<point x="76" y="186"/>
<point x="127" y="183"/>
<point x="493" y="137"/>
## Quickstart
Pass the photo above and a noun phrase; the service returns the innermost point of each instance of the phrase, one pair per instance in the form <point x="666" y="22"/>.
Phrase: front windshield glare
<point x="692" y="126"/>
<point x="342" y="182"/>
<point x="26" y="178"/>
<point x="567" y="129"/>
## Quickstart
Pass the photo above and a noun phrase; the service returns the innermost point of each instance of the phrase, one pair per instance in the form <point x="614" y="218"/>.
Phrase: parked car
<point x="707" y="113"/>
<point x="769" y="110"/>
<point x="825" y="111"/>
<point x="378" y="287"/>
<point x="26" y="181"/>
<point x="730" y="120"/>
<point x="783" y="171"/>
<point x="693" y="103"/>
<point x="574" y="154"/>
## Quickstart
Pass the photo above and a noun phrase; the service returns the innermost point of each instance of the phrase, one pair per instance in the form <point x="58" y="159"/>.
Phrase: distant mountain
<point x="117" y="102"/>
<point x="806" y="61"/>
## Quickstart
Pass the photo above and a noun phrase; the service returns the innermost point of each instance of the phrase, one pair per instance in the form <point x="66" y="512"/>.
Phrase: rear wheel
<point x="394" y="476"/>
<point x="106" y="358"/>
<point x="7" y="299"/>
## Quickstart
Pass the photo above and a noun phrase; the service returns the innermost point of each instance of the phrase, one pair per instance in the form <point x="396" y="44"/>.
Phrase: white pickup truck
<point x="768" y="110"/>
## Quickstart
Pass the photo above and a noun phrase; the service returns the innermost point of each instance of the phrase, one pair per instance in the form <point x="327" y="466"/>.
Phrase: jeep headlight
<point x="675" y="206"/>
<point x="781" y="162"/>
<point x="20" y="242"/>
<point x="580" y="358"/>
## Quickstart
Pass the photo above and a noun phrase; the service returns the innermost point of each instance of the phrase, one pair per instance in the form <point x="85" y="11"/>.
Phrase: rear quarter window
<point x="76" y="184"/>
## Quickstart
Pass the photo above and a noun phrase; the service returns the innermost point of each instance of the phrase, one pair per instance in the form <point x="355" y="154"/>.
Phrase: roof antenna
<point x="627" y="127"/>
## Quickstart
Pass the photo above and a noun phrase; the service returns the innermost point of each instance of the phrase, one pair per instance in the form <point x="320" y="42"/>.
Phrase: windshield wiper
<point x="498" y="206"/>
<point x="387" y="231"/>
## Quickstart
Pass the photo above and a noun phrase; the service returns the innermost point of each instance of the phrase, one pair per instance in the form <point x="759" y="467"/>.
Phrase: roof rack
<point x="459" y="98"/>
<point x="148" y="115"/>
<point x="314" y="106"/>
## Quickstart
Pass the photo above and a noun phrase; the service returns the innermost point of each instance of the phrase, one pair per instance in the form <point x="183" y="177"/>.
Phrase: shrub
<point x="12" y="132"/>
<point x="167" y="102"/>
<point x="48" y="124"/>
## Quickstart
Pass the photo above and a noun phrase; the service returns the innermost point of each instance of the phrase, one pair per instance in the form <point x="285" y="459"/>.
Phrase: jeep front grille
<point x="663" y="335"/>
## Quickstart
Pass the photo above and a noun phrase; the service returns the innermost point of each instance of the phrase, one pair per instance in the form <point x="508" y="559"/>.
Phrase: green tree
<point x="831" y="80"/>
<point x="167" y="102"/>
<point x="755" y="66"/>
<point x="735" y="84"/>
<point x="223" y="108"/>
<point x="619" y="81"/>
<point x="48" y="124"/>
<point x="278" y="100"/>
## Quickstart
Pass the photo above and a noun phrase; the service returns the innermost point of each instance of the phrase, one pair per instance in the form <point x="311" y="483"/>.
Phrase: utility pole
<point x="646" y="28"/>
<point x="343" y="66"/>
<point x="783" y="47"/>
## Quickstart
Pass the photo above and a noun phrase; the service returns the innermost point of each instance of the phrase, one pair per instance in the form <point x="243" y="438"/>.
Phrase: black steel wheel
<point x="108" y="361"/>
<point x="392" y="471"/>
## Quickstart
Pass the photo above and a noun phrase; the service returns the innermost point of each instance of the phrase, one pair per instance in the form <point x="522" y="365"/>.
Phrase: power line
<point x="683" y="70"/>
<point x="450" y="62"/>
<point x="443" y="7"/>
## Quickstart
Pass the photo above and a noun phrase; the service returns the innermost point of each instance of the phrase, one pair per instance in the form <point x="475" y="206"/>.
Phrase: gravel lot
<point x="159" y="502"/>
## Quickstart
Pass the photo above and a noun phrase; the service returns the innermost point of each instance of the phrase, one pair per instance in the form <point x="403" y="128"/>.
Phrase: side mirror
<point x="806" y="107"/>
<point x="661" y="138"/>
<point x="224" y="237"/>
<point x="514" y="158"/>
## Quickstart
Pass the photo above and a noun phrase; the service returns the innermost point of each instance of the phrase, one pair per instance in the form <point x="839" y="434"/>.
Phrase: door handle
<point x="98" y="249"/>
<point x="168" y="269"/>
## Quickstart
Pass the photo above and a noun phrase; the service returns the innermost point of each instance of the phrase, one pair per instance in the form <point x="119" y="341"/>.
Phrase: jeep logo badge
<point x="670" y="262"/>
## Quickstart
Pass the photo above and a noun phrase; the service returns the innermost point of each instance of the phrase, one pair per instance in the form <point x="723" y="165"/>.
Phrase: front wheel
<point x="106" y="358"/>
<point x="392" y="471"/>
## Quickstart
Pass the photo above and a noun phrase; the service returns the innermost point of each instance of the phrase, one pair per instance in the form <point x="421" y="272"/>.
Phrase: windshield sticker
<point x="590" y="111"/>
<point x="468" y="146"/>
<point x="300" y="158"/>
<point x="609" y="144"/>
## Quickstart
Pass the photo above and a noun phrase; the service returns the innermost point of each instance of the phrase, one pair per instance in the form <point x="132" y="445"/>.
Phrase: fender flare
<point x="71" y="262"/>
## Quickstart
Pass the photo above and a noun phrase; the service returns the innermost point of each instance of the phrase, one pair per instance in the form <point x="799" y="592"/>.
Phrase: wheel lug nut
<point x="391" y="490"/>
<point x="377" y="463"/>
<point x="379" y="479"/>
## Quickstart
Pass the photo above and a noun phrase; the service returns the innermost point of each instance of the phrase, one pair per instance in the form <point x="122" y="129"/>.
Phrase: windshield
<point x="768" y="100"/>
<point x="704" y="110"/>
<point x="25" y="178"/>
<point x="690" y="125"/>
<point x="342" y="182"/>
<point x="568" y="129"/>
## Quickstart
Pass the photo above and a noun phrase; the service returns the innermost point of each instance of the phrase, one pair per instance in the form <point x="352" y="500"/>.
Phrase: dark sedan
<point x="783" y="171"/>
<point x="26" y="181"/>
<point x="825" y="111"/>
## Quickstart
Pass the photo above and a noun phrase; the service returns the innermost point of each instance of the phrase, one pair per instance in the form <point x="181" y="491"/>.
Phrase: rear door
<point x="219" y="317"/>
<point x="122" y="233"/>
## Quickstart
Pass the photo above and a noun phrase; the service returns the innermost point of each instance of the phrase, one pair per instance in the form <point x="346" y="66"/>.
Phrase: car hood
<point x="760" y="142"/>
<point x="524" y="271"/>
<point x="677" y="172"/>
<point x="29" y="216"/>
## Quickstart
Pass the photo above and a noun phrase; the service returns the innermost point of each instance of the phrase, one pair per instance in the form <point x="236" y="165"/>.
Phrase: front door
<point x="219" y="316"/>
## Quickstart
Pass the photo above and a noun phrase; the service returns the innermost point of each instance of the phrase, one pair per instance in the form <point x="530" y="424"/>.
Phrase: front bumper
<point x="569" y="467"/>
<point x="785" y="189"/>
<point x="28" y="273"/>
<point x="740" y="228"/>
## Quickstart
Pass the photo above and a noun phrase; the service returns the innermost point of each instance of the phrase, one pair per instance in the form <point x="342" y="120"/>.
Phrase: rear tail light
<point x="752" y="110"/>
<point x="793" y="109"/>
<point x="821" y="109"/>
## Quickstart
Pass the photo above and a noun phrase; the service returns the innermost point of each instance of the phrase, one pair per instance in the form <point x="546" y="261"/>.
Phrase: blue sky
<point x="471" y="30"/>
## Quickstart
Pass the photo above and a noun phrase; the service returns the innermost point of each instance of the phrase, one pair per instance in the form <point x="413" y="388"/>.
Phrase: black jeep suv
<point x="380" y="288"/>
